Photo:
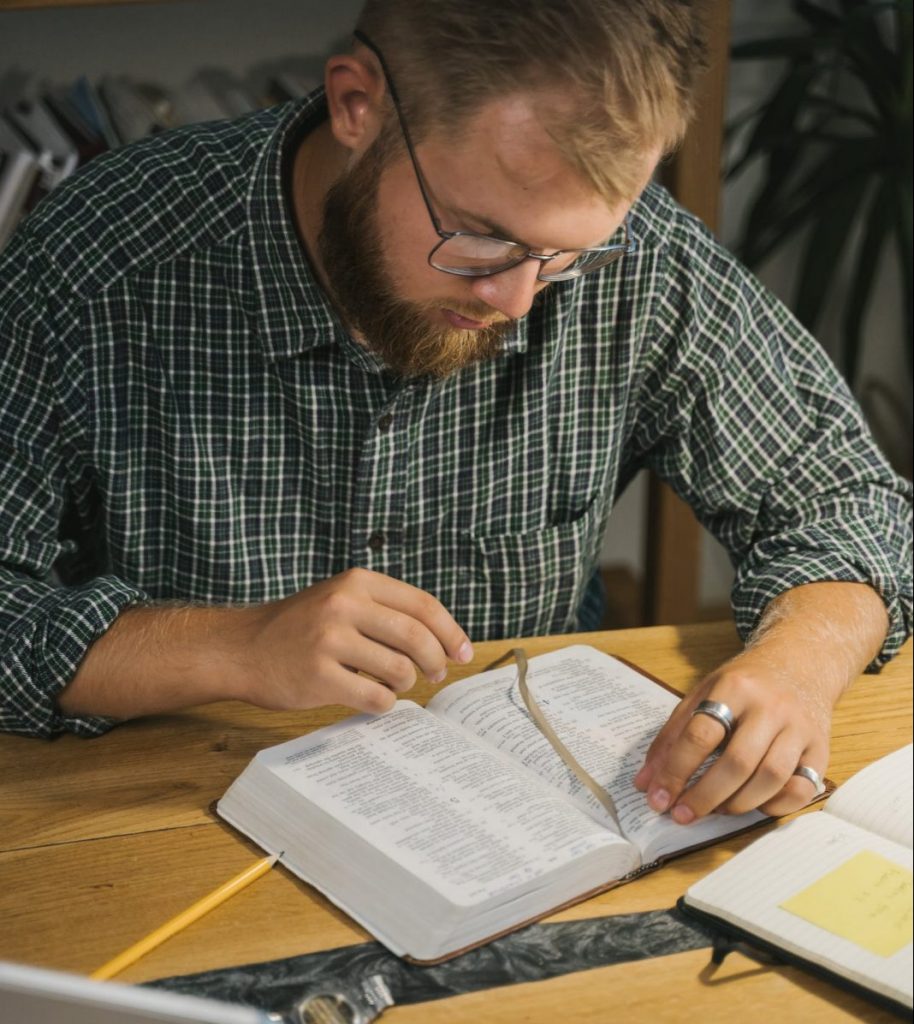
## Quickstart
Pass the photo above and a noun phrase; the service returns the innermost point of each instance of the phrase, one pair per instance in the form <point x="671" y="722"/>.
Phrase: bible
<point x="830" y="891"/>
<point x="440" y="828"/>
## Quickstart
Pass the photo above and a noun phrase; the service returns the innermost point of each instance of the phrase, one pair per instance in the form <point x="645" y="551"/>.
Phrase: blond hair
<point x="616" y="77"/>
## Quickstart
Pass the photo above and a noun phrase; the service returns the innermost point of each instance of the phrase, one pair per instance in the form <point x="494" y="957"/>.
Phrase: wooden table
<point x="102" y="840"/>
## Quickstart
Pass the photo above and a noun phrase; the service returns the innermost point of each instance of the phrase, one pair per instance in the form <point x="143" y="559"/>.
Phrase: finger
<point x="362" y="693"/>
<point x="770" y="776"/>
<point x="390" y="667"/>
<point x="343" y="686"/>
<point x="418" y="604"/>
<point x="403" y="633"/>
<point x="697" y="740"/>
<point x="662" y="742"/>
<point x="751" y="740"/>
<point x="798" y="791"/>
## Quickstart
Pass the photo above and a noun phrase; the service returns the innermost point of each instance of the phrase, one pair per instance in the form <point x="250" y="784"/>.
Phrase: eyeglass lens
<point x="476" y="255"/>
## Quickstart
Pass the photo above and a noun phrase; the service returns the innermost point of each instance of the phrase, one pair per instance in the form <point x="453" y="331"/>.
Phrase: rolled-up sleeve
<point x="45" y="629"/>
<point x="750" y="422"/>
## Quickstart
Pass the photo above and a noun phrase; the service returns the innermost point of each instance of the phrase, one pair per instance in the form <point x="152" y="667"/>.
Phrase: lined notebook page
<point x="880" y="797"/>
<point x="747" y="891"/>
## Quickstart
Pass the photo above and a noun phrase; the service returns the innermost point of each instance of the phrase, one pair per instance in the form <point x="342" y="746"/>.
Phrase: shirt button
<point x="385" y="422"/>
<point x="376" y="541"/>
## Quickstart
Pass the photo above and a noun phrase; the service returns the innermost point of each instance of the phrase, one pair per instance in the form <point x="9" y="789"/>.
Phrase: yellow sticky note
<point x="869" y="899"/>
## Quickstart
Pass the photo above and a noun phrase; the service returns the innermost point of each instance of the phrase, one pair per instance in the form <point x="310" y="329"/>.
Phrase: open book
<point x="833" y="890"/>
<point x="439" y="828"/>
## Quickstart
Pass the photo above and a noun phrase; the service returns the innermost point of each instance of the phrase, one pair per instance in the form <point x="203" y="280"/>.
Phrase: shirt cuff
<point x="756" y="586"/>
<point x="61" y="628"/>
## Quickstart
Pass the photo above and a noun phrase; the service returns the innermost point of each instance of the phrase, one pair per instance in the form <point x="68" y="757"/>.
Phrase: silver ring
<point x="812" y="775"/>
<point x="721" y="713"/>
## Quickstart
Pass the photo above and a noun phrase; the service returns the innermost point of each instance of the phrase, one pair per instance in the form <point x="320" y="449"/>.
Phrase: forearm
<point x="159" y="659"/>
<point x="355" y="639"/>
<point x="820" y="634"/>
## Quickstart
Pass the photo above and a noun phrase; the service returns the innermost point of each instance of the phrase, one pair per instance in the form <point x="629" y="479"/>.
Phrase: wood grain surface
<point x="104" y="839"/>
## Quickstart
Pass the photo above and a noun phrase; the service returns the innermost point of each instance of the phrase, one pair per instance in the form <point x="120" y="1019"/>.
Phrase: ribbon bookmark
<point x="583" y="776"/>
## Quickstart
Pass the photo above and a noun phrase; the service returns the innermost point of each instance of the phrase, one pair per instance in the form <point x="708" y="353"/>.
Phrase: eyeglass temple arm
<point x="407" y="138"/>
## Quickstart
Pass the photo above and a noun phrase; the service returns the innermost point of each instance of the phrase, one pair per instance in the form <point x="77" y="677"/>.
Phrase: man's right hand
<point x="354" y="639"/>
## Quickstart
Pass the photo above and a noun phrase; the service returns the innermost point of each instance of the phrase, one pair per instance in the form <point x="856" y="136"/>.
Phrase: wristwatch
<point x="342" y="1002"/>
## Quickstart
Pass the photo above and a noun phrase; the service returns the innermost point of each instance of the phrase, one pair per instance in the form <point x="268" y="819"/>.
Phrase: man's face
<point x="503" y="176"/>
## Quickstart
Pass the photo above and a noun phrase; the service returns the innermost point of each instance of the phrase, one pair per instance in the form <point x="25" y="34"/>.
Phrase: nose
<point x="512" y="291"/>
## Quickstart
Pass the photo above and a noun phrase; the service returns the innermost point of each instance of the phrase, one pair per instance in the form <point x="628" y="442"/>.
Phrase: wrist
<point x="821" y="680"/>
<point x="155" y="659"/>
<point x="820" y="636"/>
<point x="225" y="659"/>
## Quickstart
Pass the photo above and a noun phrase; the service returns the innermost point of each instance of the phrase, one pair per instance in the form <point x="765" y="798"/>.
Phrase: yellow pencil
<point x="186" y="917"/>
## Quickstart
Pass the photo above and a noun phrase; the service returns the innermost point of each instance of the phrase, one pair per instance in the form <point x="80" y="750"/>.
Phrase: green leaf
<point x="836" y="164"/>
<point x="835" y="138"/>
<point x="777" y="47"/>
<point x="878" y="220"/>
<point x="741" y="119"/>
<point x="904" y="30"/>
<point x="771" y="222"/>
<point x="903" y="238"/>
<point x="830" y="107"/>
<point x="818" y="17"/>
<point x="779" y="117"/>
<point x="862" y="27"/>
<point x="877" y="65"/>
<point x="775" y="130"/>
<point x="825" y="246"/>
<point x="755" y="247"/>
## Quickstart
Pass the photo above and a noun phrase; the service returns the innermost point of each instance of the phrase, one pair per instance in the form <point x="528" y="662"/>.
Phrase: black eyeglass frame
<point x="612" y="252"/>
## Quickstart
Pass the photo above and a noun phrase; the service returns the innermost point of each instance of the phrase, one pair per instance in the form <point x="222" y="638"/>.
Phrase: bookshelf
<point x="21" y="5"/>
<point x="163" y="42"/>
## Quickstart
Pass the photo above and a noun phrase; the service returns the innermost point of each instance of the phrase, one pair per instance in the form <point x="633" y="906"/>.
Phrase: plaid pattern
<point x="182" y="417"/>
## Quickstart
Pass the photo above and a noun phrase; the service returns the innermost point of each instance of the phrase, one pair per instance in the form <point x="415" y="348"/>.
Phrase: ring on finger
<point x="812" y="775"/>
<point x="721" y="713"/>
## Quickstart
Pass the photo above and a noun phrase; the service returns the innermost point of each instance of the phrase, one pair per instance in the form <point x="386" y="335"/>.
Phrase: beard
<point x="402" y="333"/>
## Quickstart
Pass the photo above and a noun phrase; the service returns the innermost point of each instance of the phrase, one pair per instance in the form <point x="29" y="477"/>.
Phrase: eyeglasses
<point x="469" y="254"/>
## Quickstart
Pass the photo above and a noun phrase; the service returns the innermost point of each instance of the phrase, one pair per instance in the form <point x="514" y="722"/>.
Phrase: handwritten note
<point x="868" y="899"/>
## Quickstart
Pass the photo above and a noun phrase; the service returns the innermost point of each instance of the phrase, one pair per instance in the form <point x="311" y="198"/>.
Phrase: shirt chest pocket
<point x="530" y="583"/>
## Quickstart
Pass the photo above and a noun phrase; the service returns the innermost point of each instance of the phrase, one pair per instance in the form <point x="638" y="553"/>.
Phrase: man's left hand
<point x="812" y="642"/>
<point x="778" y="725"/>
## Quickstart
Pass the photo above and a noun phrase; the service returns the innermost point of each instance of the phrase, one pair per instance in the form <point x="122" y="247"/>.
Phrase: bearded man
<point x="300" y="404"/>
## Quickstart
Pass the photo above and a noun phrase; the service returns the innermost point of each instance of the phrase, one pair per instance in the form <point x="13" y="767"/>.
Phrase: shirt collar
<point x="291" y="311"/>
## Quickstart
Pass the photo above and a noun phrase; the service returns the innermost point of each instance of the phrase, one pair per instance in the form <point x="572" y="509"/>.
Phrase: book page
<point x="460" y="817"/>
<point x="826" y="890"/>
<point x="606" y="713"/>
<point x="880" y="797"/>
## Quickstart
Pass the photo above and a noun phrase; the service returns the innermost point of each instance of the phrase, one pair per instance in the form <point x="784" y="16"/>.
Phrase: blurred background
<point x="800" y="160"/>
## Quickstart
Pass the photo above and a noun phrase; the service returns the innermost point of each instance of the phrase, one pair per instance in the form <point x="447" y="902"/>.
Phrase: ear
<point x="355" y="93"/>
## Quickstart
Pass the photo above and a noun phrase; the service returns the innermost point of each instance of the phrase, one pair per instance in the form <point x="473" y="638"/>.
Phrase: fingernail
<point x="465" y="653"/>
<point x="682" y="814"/>
<point x="659" y="799"/>
<point x="439" y="677"/>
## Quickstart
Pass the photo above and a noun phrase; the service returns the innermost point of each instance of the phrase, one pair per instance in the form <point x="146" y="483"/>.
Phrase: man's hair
<point x="613" y="79"/>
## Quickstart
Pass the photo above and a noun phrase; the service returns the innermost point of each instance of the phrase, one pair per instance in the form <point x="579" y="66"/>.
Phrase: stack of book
<point x="45" y="138"/>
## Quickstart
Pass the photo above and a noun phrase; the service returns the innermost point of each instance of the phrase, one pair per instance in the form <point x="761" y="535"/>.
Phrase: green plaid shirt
<point x="182" y="417"/>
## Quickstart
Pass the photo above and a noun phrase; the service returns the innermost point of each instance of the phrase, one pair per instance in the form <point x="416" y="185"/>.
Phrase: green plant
<point x="834" y="136"/>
